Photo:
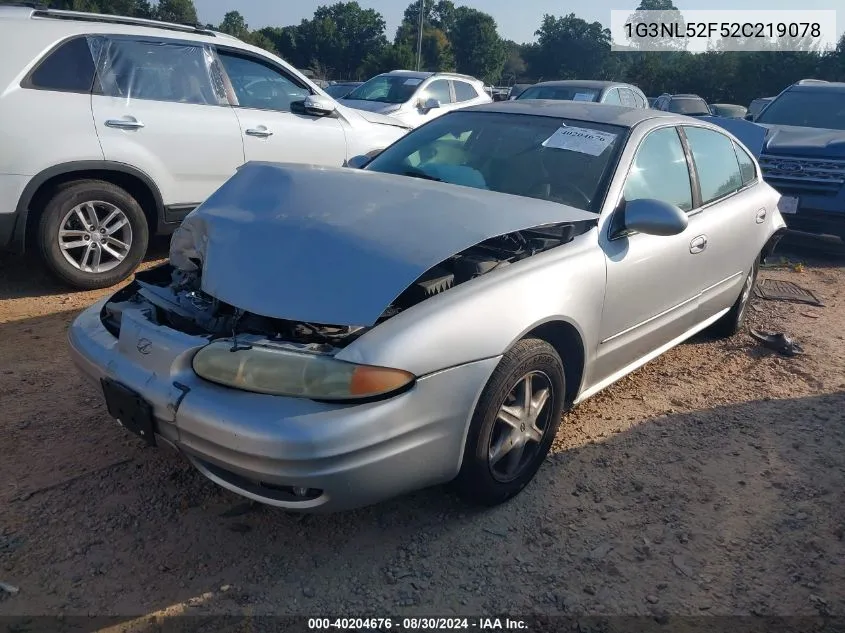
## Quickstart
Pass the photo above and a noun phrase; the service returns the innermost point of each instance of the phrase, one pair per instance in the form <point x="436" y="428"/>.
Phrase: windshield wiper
<point x="419" y="173"/>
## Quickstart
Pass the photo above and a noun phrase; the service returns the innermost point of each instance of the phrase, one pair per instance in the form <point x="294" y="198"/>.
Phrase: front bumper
<point x="263" y="446"/>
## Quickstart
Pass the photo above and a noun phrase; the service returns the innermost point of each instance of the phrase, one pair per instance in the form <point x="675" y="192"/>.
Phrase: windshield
<point x="691" y="105"/>
<point x="820" y="109"/>
<point x="338" y="90"/>
<point x="561" y="93"/>
<point x="386" y="89"/>
<point x="548" y="158"/>
<point x="733" y="111"/>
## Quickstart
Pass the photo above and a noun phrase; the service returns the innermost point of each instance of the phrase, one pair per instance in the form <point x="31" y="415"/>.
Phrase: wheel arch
<point x="568" y="341"/>
<point x="39" y="189"/>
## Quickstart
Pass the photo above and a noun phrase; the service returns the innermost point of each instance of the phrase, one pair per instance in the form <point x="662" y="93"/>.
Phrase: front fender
<point x="482" y="318"/>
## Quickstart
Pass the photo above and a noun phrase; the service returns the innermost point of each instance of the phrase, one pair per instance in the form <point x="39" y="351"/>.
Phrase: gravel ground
<point x="709" y="482"/>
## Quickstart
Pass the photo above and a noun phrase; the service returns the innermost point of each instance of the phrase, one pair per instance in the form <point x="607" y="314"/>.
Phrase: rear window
<point x="561" y="93"/>
<point x="69" y="68"/>
<point x="688" y="106"/>
<point x="804" y="108"/>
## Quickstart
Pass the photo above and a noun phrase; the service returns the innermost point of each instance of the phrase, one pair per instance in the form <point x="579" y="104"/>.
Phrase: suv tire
<point x="92" y="234"/>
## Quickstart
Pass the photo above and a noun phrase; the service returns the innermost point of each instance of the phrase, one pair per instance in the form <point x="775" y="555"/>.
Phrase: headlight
<point x="280" y="372"/>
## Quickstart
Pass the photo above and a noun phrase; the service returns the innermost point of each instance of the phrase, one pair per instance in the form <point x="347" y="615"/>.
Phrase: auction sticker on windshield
<point x="788" y="205"/>
<point x="579" y="139"/>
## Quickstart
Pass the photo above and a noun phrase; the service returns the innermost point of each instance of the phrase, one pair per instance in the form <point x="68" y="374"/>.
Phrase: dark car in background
<point x="803" y="155"/>
<point x="610" y="92"/>
<point x="728" y="110"/>
<point x="757" y="106"/>
<point x="687" y="104"/>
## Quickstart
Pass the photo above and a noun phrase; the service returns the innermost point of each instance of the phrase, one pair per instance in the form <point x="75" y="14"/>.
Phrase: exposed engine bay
<point x="173" y="297"/>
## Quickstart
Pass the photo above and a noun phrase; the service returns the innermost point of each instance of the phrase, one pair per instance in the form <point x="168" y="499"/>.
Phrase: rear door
<point x="273" y="129"/>
<point x="730" y="217"/>
<point x="161" y="108"/>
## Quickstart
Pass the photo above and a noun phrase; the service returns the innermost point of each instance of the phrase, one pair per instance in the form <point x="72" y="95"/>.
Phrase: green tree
<point x="568" y="48"/>
<point x="234" y="24"/>
<point x="479" y="51"/>
<point x="390" y="57"/>
<point x="179" y="11"/>
<point x="436" y="52"/>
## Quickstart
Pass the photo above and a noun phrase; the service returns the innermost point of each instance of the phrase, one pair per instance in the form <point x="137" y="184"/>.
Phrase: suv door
<point x="441" y="90"/>
<point x="162" y="109"/>
<point x="725" y="220"/>
<point x="264" y="97"/>
<point x="651" y="297"/>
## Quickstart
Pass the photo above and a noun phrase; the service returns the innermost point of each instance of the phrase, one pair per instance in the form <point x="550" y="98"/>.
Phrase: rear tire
<point x="92" y="234"/>
<point x="504" y="448"/>
<point x="733" y="321"/>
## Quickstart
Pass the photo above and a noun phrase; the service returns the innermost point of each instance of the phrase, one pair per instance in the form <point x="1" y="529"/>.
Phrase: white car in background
<point x="417" y="97"/>
<point x="114" y="128"/>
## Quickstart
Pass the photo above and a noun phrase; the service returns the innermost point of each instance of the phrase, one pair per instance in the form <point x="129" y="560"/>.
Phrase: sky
<point x="517" y="19"/>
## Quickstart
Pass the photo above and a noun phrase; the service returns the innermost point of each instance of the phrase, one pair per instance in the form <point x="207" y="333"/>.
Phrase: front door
<point x="651" y="297"/>
<point x="160" y="112"/>
<point x="271" y="130"/>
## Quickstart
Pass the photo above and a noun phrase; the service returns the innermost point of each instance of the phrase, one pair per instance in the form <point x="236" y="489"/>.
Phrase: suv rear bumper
<point x="11" y="189"/>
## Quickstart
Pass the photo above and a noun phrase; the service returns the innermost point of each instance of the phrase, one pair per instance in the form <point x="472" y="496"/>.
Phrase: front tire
<point x="514" y="424"/>
<point x="734" y="319"/>
<point x="92" y="234"/>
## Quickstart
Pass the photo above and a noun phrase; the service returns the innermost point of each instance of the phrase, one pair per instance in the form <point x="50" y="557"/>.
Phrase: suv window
<point x="439" y="89"/>
<point x="660" y="171"/>
<point x="464" y="91"/>
<point x="746" y="165"/>
<point x="715" y="161"/>
<point x="260" y="86"/>
<point x="612" y="96"/>
<point x="627" y="98"/>
<point x="69" y="68"/>
<point x="161" y="71"/>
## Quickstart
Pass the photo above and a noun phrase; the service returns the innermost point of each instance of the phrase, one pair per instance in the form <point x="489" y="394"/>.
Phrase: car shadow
<point x="23" y="276"/>
<point x="692" y="509"/>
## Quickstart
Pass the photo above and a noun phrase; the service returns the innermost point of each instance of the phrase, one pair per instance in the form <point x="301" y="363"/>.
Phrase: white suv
<point x="113" y="128"/>
<point x="416" y="97"/>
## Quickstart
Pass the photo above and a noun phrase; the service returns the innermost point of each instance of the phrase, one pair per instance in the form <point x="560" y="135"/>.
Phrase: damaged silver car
<point x="324" y="338"/>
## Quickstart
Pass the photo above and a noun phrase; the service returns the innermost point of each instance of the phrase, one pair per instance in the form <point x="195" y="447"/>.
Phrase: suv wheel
<point x="92" y="234"/>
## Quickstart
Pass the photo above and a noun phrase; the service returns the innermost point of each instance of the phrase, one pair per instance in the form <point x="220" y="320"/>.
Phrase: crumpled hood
<point x="370" y="106"/>
<point x="335" y="245"/>
<point x="804" y="141"/>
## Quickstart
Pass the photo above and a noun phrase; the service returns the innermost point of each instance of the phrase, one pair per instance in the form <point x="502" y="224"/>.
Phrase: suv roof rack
<point x="59" y="14"/>
<point x="462" y="76"/>
<point x="810" y="82"/>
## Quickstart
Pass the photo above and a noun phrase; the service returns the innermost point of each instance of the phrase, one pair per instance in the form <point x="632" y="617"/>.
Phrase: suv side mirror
<point x="429" y="104"/>
<point x="318" y="105"/>
<point x="653" y="217"/>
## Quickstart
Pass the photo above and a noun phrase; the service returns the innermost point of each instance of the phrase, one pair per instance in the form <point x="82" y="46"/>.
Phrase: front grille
<point x="790" y="174"/>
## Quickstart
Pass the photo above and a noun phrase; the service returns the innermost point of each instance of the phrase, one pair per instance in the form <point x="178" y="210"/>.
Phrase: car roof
<point x="586" y="83"/>
<point x="595" y="112"/>
<point x="827" y="86"/>
<point x="686" y="96"/>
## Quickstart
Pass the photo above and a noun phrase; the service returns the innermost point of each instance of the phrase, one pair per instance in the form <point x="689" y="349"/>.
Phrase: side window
<point x="260" y="86"/>
<point x="627" y="98"/>
<point x="715" y="161"/>
<point x="642" y="102"/>
<point x="69" y="68"/>
<point x="612" y="97"/>
<point x="660" y="171"/>
<point x="439" y="90"/>
<point x="160" y="71"/>
<point x="746" y="165"/>
<point x="464" y="91"/>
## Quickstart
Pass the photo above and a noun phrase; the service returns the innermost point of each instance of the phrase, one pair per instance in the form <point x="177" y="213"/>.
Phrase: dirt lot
<point x="711" y="481"/>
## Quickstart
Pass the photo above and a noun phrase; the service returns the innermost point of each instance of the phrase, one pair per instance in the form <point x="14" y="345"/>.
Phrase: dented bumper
<point x="288" y="452"/>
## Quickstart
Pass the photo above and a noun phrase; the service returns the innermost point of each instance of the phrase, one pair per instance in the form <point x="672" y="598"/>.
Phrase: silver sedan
<point x="324" y="338"/>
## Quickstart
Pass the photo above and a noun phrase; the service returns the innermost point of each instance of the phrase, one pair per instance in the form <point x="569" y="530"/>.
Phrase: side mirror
<point x="429" y="104"/>
<point x="318" y="105"/>
<point x="654" y="217"/>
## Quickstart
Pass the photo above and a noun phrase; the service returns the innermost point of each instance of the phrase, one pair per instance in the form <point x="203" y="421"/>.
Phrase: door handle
<point x="761" y="216"/>
<point x="124" y="124"/>
<point x="260" y="132"/>
<point x="698" y="244"/>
